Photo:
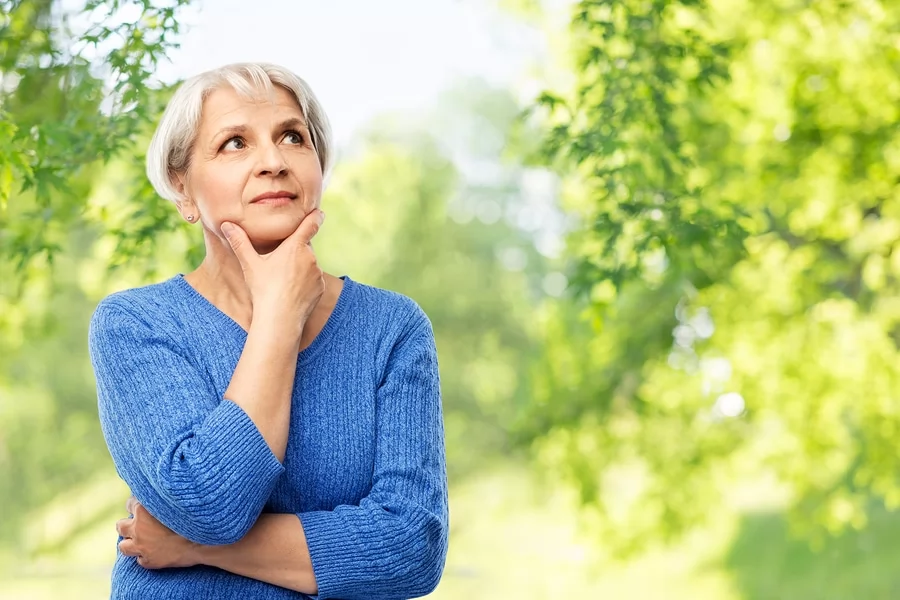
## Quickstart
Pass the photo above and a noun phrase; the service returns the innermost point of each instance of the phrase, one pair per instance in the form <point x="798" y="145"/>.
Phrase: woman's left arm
<point x="392" y="545"/>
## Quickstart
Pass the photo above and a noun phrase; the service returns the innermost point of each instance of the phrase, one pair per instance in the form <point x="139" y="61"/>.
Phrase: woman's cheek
<point x="217" y="212"/>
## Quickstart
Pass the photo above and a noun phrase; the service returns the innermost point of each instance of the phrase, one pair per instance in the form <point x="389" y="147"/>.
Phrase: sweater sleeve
<point x="195" y="461"/>
<point x="394" y="543"/>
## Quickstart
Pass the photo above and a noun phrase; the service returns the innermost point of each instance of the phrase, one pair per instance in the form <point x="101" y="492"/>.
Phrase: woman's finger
<point x="309" y="227"/>
<point x="131" y="505"/>
<point x="128" y="547"/>
<point x="125" y="527"/>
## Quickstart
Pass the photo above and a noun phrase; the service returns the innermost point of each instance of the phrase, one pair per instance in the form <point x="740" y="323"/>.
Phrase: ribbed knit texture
<point x="364" y="468"/>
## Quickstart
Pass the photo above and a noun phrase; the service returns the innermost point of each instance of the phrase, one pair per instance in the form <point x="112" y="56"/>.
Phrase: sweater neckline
<point x="332" y="325"/>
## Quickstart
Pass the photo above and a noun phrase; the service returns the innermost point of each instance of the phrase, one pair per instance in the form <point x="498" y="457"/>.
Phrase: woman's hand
<point x="154" y="545"/>
<point x="286" y="283"/>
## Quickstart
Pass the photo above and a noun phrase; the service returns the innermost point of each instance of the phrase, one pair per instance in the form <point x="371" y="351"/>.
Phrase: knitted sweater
<point x="364" y="468"/>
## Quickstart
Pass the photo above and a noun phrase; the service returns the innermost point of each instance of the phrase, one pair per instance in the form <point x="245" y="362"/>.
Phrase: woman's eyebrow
<point x="291" y="123"/>
<point x="231" y="130"/>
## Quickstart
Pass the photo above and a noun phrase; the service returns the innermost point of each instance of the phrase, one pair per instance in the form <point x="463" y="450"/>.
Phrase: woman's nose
<point x="271" y="161"/>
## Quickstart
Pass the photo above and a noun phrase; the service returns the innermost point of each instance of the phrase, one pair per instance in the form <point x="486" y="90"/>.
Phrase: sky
<point x="361" y="57"/>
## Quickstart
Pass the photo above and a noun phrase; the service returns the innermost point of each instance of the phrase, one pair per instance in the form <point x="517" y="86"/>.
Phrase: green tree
<point x="404" y="214"/>
<point x="74" y="94"/>
<point x="735" y="169"/>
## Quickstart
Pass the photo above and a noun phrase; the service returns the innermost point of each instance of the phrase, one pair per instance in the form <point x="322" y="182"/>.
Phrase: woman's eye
<point x="234" y="143"/>
<point x="293" y="137"/>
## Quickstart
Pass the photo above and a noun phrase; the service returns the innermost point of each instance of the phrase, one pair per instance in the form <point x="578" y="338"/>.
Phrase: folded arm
<point x="273" y="551"/>
<point x="201" y="464"/>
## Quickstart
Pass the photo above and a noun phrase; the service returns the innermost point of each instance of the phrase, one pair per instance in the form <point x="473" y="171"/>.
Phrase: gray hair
<point x="170" y="148"/>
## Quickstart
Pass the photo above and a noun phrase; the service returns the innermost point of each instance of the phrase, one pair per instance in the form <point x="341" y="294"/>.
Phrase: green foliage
<point x="735" y="168"/>
<point x="50" y="437"/>
<point x="389" y="224"/>
<point x="74" y="94"/>
<point x="630" y="129"/>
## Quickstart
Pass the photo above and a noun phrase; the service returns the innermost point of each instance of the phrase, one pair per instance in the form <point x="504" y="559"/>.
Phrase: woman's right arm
<point x="205" y="465"/>
<point x="285" y="286"/>
<point x="197" y="461"/>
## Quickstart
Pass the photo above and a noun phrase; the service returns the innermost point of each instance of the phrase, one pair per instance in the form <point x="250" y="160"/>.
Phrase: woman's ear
<point x="178" y="182"/>
<point x="188" y="210"/>
<point x="186" y="205"/>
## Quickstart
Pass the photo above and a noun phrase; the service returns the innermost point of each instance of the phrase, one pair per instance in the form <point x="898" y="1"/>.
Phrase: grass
<point x="768" y="565"/>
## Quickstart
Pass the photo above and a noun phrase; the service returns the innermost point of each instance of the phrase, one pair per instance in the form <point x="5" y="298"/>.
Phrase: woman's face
<point x="246" y="150"/>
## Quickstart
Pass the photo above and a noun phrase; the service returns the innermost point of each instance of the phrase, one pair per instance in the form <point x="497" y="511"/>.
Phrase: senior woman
<point x="280" y="428"/>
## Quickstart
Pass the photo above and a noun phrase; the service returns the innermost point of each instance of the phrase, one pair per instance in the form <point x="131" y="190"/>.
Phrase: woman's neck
<point x="220" y="279"/>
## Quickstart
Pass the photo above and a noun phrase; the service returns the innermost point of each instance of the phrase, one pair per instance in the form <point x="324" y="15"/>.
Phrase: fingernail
<point x="227" y="228"/>
<point x="321" y="217"/>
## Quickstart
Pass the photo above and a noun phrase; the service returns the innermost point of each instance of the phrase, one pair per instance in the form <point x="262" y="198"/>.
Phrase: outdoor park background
<point x="659" y="242"/>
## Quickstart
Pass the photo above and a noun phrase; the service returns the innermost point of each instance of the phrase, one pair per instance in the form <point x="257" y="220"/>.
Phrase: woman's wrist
<point x="205" y="555"/>
<point x="195" y="554"/>
<point x="277" y="327"/>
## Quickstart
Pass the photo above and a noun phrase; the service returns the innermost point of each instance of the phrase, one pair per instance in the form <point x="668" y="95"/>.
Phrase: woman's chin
<point x="267" y="239"/>
<point x="270" y="234"/>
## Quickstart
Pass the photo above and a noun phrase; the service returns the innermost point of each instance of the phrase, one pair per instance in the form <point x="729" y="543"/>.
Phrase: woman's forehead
<point x="228" y="104"/>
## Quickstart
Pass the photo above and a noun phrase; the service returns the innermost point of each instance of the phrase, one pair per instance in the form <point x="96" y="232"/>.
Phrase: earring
<point x="190" y="218"/>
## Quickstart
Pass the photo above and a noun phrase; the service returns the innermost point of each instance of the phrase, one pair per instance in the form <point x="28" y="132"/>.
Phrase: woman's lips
<point x="277" y="201"/>
<point x="274" y="198"/>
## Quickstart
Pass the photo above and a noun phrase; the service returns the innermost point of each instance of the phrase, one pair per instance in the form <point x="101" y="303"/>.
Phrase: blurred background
<point x="659" y="242"/>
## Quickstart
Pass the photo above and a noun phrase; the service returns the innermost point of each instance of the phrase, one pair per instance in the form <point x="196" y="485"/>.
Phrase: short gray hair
<point x="170" y="148"/>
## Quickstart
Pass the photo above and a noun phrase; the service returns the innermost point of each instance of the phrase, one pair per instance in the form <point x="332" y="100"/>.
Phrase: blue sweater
<point x="364" y="467"/>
